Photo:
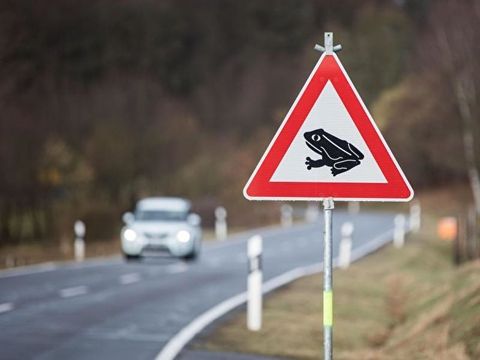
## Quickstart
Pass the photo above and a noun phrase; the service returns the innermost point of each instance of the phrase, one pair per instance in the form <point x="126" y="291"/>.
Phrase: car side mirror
<point x="128" y="218"/>
<point x="194" y="219"/>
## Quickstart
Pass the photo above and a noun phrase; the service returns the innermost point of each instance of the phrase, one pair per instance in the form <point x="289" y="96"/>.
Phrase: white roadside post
<point x="221" y="223"/>
<point x="312" y="213"/>
<point x="286" y="215"/>
<point x="399" y="231"/>
<point x="79" y="243"/>
<point x="254" y="283"/>
<point x="353" y="207"/>
<point x="344" y="257"/>
<point x="415" y="216"/>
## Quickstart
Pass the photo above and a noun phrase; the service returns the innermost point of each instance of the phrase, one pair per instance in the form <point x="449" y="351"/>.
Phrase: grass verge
<point x="408" y="303"/>
<point x="36" y="253"/>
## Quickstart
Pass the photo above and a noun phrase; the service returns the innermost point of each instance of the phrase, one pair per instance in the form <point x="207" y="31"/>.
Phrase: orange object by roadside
<point x="447" y="228"/>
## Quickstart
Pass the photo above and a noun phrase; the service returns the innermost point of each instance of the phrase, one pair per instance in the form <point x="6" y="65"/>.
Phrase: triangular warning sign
<point x="328" y="146"/>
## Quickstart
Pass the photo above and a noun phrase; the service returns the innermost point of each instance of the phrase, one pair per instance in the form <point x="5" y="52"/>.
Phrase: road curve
<point x="107" y="309"/>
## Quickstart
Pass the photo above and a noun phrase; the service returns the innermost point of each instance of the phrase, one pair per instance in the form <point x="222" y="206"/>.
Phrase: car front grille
<point x="155" y="236"/>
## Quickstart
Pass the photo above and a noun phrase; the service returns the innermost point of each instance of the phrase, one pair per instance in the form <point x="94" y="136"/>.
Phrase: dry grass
<point x="27" y="254"/>
<point x="396" y="304"/>
<point x="35" y="253"/>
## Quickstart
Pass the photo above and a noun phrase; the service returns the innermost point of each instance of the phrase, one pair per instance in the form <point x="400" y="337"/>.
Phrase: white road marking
<point x="6" y="307"/>
<point x="175" y="345"/>
<point x="176" y="268"/>
<point x="73" y="291"/>
<point x="130" y="337"/>
<point x="129" y="278"/>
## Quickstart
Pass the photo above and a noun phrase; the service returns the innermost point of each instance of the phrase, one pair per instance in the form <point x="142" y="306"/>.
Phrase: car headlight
<point x="129" y="235"/>
<point x="184" y="236"/>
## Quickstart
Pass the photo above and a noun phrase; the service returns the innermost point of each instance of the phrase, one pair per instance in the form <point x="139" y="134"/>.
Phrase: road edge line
<point x="176" y="344"/>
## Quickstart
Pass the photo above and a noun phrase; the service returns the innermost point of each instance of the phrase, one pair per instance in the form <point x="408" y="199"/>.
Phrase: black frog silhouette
<point x="336" y="153"/>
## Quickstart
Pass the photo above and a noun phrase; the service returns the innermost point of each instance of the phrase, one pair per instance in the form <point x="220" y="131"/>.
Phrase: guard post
<point x="353" y="207"/>
<point x="312" y="212"/>
<point x="286" y="215"/>
<point x="345" y="253"/>
<point x="221" y="223"/>
<point x="79" y="243"/>
<point x="415" y="219"/>
<point x="254" y="286"/>
<point x="399" y="231"/>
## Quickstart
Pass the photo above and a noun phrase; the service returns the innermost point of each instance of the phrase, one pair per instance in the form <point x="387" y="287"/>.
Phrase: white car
<point x="161" y="224"/>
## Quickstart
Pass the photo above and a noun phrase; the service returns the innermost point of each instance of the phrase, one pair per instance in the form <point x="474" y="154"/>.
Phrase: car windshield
<point x="160" y="215"/>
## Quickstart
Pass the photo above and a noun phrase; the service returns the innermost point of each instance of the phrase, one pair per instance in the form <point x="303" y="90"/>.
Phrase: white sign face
<point x="330" y="114"/>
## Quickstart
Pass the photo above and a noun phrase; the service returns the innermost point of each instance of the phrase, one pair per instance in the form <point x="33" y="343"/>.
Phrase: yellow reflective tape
<point x="327" y="308"/>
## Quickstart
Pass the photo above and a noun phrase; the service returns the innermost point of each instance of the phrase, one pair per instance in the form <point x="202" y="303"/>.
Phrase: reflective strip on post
<point x="328" y="308"/>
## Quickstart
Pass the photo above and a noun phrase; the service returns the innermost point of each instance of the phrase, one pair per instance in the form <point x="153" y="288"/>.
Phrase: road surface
<point x="108" y="309"/>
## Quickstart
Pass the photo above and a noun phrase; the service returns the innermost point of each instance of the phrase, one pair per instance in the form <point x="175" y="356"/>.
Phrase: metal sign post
<point x="326" y="137"/>
<point x="328" y="207"/>
<point x="327" y="280"/>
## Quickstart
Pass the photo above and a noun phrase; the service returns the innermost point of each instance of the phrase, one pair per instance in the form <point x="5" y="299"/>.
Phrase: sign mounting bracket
<point x="329" y="48"/>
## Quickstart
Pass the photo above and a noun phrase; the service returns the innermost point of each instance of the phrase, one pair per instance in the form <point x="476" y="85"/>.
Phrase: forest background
<point x="103" y="102"/>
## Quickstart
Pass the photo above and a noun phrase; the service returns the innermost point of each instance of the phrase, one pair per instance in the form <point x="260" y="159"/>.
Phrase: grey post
<point x="254" y="283"/>
<point x="79" y="243"/>
<point x="415" y="216"/>
<point x="399" y="231"/>
<point x="353" y="207"/>
<point x="345" y="251"/>
<point x="328" y="206"/>
<point x="286" y="215"/>
<point x="221" y="231"/>
<point x="312" y="212"/>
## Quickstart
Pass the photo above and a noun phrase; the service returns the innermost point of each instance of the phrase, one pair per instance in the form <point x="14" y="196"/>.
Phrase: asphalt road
<point x="108" y="309"/>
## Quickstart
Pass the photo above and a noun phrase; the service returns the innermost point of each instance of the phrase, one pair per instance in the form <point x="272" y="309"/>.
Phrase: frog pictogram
<point x="336" y="153"/>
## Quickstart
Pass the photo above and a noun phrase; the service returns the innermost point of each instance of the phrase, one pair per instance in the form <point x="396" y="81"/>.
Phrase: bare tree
<point x="452" y="47"/>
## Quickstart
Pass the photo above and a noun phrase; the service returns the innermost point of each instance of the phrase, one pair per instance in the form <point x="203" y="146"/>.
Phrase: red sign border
<point x="259" y="186"/>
